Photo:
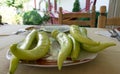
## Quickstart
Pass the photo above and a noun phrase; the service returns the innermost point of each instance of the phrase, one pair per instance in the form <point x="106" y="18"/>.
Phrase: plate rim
<point x="80" y="61"/>
<point x="65" y="26"/>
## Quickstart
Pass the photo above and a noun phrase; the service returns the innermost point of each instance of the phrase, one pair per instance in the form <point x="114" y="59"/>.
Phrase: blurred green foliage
<point x="32" y="18"/>
<point x="76" y="6"/>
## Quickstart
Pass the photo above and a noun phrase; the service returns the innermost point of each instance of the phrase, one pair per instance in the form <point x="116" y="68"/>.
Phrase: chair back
<point x="103" y="21"/>
<point x="77" y="18"/>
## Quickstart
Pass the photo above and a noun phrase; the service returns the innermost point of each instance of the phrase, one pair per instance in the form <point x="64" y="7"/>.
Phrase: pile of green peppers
<point x="71" y="45"/>
<point x="75" y="41"/>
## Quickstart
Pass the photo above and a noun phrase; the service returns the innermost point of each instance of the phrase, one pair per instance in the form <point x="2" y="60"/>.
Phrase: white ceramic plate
<point x="64" y="28"/>
<point x="50" y="59"/>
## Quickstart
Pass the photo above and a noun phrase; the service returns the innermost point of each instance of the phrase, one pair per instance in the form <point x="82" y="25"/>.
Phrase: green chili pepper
<point x="97" y="48"/>
<point x="94" y="48"/>
<point x="25" y="45"/>
<point x="39" y="51"/>
<point x="83" y="31"/>
<point x="75" y="32"/>
<point x="66" y="47"/>
<point x="13" y="64"/>
<point x="76" y="48"/>
<point x="14" y="61"/>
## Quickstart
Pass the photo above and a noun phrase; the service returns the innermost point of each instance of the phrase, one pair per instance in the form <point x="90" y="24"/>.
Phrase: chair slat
<point x="113" y="21"/>
<point x="76" y="22"/>
<point x="76" y="15"/>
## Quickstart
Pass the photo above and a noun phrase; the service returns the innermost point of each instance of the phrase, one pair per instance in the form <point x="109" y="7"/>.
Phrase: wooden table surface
<point x="106" y="62"/>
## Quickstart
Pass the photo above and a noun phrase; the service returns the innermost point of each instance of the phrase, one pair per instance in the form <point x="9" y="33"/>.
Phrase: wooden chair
<point x="75" y="18"/>
<point x="103" y="21"/>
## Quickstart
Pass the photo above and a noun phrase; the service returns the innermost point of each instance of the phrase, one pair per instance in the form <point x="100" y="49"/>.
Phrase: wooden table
<point x="107" y="61"/>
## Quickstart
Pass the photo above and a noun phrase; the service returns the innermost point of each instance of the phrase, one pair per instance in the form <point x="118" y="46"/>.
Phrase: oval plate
<point x="50" y="60"/>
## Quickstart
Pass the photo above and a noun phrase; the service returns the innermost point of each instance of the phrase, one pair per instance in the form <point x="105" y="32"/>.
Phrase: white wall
<point x="68" y="4"/>
<point x="102" y="2"/>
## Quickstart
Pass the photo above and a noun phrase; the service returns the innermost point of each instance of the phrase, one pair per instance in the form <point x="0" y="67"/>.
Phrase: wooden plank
<point x="76" y="22"/>
<point x="113" y="21"/>
<point x="76" y="15"/>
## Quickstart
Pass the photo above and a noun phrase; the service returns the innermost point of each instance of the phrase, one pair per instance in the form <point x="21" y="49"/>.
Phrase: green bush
<point x="46" y="17"/>
<point x="76" y="6"/>
<point x="32" y="18"/>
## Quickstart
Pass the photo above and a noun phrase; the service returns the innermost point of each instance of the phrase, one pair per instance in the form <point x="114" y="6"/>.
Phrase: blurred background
<point x="13" y="10"/>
